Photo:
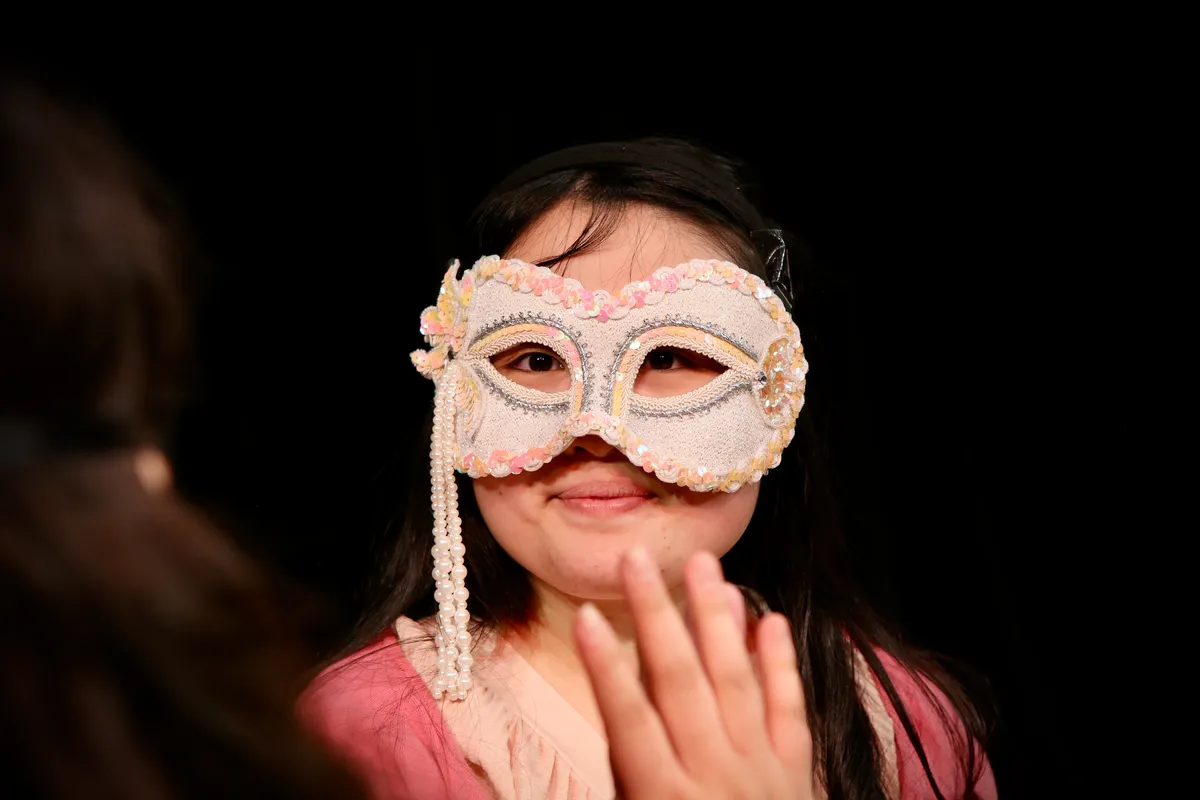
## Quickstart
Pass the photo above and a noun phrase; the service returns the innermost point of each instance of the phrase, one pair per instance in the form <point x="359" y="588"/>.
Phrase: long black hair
<point x="792" y="553"/>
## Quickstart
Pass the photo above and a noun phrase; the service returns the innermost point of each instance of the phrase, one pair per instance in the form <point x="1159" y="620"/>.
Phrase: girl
<point x="619" y="374"/>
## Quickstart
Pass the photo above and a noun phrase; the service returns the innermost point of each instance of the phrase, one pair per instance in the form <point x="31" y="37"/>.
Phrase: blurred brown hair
<point x="92" y="318"/>
<point x="144" y="656"/>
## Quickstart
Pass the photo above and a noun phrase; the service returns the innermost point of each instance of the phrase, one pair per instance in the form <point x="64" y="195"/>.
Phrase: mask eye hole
<point x="534" y="367"/>
<point x="671" y="371"/>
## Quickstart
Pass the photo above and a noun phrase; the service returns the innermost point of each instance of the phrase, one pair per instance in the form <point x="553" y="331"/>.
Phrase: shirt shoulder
<point x="374" y="709"/>
<point x="941" y="733"/>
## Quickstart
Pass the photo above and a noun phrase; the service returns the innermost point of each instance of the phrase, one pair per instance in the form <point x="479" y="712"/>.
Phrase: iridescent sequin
<point x="781" y="389"/>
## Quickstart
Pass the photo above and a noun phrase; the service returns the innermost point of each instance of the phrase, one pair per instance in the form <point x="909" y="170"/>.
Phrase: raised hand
<point x="705" y="725"/>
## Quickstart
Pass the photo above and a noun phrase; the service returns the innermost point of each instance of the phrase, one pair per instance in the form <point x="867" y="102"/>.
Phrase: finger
<point x="722" y="646"/>
<point x="672" y="668"/>
<point x="737" y="605"/>
<point x="787" y="721"/>
<point x="639" y="747"/>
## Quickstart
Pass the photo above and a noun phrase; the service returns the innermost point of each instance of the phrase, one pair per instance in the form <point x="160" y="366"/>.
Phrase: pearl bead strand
<point x="449" y="572"/>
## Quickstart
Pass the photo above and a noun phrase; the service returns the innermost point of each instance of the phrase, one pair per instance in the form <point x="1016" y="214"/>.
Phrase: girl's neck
<point x="548" y="644"/>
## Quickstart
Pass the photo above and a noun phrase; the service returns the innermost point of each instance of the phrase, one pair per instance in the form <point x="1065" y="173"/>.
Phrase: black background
<point x="327" y="193"/>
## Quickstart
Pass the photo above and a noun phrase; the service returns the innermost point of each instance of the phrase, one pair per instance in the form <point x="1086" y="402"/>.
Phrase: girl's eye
<point x="527" y="359"/>
<point x="537" y="361"/>
<point x="669" y="371"/>
<point x="671" y="358"/>
<point x="664" y="358"/>
<point x="533" y="367"/>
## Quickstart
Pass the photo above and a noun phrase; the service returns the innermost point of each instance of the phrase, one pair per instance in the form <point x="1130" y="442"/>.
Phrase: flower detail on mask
<point x="429" y="362"/>
<point x="445" y="324"/>
<point x="782" y="386"/>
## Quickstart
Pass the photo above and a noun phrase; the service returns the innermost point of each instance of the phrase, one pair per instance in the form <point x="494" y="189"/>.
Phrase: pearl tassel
<point x="449" y="573"/>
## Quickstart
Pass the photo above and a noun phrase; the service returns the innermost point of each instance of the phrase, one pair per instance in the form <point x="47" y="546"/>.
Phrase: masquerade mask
<point x="715" y="437"/>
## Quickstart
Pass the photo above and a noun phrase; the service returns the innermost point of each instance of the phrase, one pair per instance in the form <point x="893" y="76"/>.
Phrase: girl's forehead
<point x="643" y="239"/>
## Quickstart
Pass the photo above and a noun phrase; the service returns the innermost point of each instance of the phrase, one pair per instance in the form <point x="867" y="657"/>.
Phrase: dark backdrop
<point x="328" y="192"/>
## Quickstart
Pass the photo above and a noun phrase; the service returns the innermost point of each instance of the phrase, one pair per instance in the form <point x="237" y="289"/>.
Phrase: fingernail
<point x="594" y="632"/>
<point x="737" y="605"/>
<point x="640" y="563"/>
<point x="707" y="569"/>
<point x="590" y="616"/>
<point x="779" y="631"/>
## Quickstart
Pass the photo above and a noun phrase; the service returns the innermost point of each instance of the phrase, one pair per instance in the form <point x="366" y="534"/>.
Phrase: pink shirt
<point x="516" y="737"/>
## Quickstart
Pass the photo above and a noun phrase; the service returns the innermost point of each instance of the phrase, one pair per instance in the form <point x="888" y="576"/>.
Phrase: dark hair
<point x="792" y="552"/>
<point x="144" y="656"/>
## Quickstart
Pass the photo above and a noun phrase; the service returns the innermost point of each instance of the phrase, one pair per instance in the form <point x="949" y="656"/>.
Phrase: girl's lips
<point x="607" y="498"/>
<point x="606" y="506"/>
<point x="604" y="490"/>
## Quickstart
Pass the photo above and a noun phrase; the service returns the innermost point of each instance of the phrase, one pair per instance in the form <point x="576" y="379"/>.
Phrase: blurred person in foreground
<point x="144" y="656"/>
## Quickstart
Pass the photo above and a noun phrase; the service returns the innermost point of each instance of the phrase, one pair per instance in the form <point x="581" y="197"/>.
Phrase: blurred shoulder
<point x="370" y="684"/>
<point x="374" y="708"/>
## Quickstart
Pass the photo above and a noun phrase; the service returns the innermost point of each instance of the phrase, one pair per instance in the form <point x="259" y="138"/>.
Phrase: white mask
<point x="717" y="437"/>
